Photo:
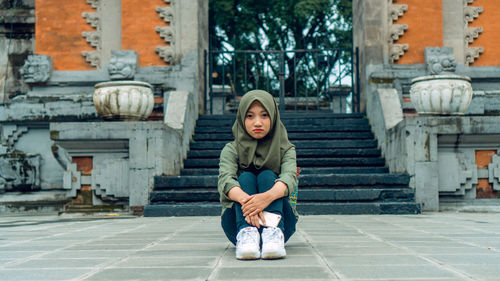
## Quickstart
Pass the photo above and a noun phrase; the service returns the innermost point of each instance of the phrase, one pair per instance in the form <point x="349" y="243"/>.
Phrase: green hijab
<point x="268" y="151"/>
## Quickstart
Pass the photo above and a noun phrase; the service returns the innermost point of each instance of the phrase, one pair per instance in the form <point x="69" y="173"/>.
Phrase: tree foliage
<point x="265" y="25"/>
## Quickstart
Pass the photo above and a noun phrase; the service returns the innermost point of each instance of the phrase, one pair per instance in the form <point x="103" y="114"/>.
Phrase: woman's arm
<point x="284" y="185"/>
<point x="228" y="169"/>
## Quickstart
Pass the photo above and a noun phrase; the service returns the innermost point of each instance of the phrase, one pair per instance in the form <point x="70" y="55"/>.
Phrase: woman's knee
<point x="248" y="182"/>
<point x="265" y="180"/>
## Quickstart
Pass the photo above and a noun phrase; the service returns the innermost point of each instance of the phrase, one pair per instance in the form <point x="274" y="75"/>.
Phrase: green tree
<point x="264" y="25"/>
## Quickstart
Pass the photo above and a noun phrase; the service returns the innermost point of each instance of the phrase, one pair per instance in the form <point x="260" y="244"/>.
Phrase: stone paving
<point x="432" y="246"/>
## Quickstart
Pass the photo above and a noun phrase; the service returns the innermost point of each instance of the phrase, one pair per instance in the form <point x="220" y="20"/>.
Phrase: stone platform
<point x="432" y="246"/>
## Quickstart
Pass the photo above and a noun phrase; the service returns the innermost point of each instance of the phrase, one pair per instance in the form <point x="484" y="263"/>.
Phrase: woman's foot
<point x="248" y="244"/>
<point x="273" y="243"/>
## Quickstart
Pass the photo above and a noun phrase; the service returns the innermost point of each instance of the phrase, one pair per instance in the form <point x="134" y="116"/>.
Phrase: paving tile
<point x="59" y="263"/>
<point x="394" y="272"/>
<point x="370" y="260"/>
<point x="40" y="274"/>
<point x="160" y="274"/>
<point x="273" y="273"/>
<point x="482" y="271"/>
<point x="180" y="261"/>
<point x="328" y="251"/>
<point x="467" y="259"/>
<point x="229" y="260"/>
<point x="89" y="254"/>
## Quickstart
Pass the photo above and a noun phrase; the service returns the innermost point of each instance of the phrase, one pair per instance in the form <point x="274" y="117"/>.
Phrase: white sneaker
<point x="273" y="243"/>
<point x="248" y="244"/>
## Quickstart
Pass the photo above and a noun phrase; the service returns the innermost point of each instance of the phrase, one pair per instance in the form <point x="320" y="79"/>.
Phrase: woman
<point x="257" y="173"/>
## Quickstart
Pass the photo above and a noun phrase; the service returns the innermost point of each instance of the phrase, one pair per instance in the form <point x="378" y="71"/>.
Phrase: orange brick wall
<point x="58" y="33"/>
<point x="139" y="19"/>
<point x="425" y="28"/>
<point x="490" y="38"/>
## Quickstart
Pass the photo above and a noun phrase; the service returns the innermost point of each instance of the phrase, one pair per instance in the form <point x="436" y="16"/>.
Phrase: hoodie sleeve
<point x="228" y="170"/>
<point x="288" y="173"/>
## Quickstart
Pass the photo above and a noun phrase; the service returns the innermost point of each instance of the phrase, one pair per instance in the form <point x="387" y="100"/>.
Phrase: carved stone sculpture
<point x="397" y="50"/>
<point x="122" y="65"/>
<point x="36" y="69"/>
<point x="19" y="172"/>
<point x="441" y="94"/>
<point x="124" y="100"/>
<point x="440" y="60"/>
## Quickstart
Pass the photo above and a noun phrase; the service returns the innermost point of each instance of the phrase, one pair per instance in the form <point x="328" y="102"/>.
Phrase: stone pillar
<point x="453" y="28"/>
<point x="110" y="12"/>
<point x="370" y="36"/>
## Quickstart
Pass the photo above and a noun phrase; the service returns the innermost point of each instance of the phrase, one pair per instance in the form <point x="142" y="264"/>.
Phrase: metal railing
<point x="300" y="80"/>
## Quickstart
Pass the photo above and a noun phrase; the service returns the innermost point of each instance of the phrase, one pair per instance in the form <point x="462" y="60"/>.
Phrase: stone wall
<point x="47" y="107"/>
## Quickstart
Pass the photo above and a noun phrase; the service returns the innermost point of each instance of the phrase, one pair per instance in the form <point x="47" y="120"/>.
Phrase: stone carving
<point x="397" y="10"/>
<point x="36" y="69"/>
<point x="94" y="3"/>
<point x="471" y="13"/>
<point x="91" y="18"/>
<point x="71" y="177"/>
<point x="457" y="172"/>
<point x="124" y="100"/>
<point x="398" y="30"/>
<point x="166" y="13"/>
<point x="93" y="38"/>
<point x="440" y="60"/>
<point x="494" y="172"/>
<point x="123" y="64"/>
<point x="92" y="57"/>
<point x="472" y="33"/>
<point x="110" y="178"/>
<point x="19" y="172"/>
<point x="396" y="51"/>
<point x="472" y="53"/>
<point x="167" y="53"/>
<point x="165" y="33"/>
<point x="441" y="94"/>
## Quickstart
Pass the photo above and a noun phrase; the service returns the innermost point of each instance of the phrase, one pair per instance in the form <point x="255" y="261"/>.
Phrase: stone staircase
<point x="342" y="171"/>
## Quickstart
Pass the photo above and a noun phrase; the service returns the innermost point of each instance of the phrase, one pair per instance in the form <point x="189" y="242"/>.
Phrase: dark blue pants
<point x="233" y="220"/>
<point x="253" y="184"/>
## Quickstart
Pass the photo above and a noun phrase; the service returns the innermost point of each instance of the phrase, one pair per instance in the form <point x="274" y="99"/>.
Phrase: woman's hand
<point x="255" y="204"/>
<point x="254" y="220"/>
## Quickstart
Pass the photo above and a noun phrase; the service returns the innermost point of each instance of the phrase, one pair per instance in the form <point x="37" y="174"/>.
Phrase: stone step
<point x="287" y="122"/>
<point x="301" y="153"/>
<point x="304" y="195"/>
<point x="341" y="127"/>
<point x="301" y="162"/>
<point x="305" y="170"/>
<point x="365" y="208"/>
<point x="303" y="144"/>
<point x="292" y="136"/>
<point x="307" y="180"/>
<point x="183" y="209"/>
<point x="294" y="115"/>
<point x="306" y="208"/>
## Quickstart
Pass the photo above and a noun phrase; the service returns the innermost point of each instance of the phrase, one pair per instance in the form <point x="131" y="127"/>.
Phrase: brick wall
<point x="58" y="33"/>
<point x="425" y="28"/>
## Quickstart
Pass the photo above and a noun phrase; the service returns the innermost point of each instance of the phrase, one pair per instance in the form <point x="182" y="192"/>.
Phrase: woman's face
<point x="257" y="121"/>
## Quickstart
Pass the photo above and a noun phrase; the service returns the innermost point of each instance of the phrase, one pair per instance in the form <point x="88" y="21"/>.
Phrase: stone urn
<point x="124" y="100"/>
<point x="441" y="94"/>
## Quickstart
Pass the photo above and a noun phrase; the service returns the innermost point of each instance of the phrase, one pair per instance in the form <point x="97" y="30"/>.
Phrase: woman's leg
<point x="265" y="181"/>
<point x="248" y="183"/>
